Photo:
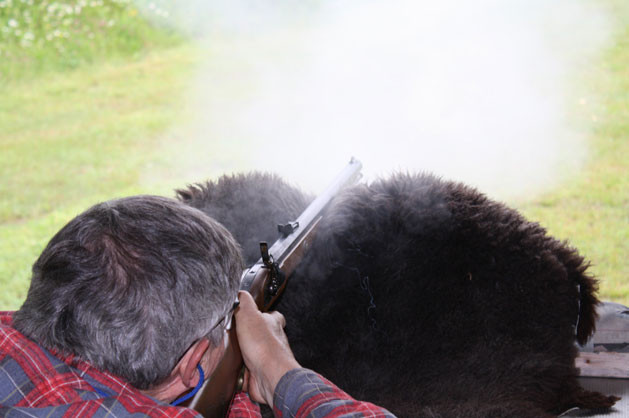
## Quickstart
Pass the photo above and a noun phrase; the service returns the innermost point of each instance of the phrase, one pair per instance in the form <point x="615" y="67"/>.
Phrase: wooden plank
<point x="603" y="364"/>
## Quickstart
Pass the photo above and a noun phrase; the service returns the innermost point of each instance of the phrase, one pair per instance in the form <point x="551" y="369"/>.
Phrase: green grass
<point x="82" y="103"/>
<point x="44" y="35"/>
<point x="72" y="138"/>
<point x="592" y="211"/>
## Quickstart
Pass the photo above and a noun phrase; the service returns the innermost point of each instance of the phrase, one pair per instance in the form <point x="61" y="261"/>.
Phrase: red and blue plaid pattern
<point x="243" y="407"/>
<point x="304" y="393"/>
<point x="35" y="382"/>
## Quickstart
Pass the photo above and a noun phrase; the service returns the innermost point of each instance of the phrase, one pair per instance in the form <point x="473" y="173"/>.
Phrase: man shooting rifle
<point x="128" y="309"/>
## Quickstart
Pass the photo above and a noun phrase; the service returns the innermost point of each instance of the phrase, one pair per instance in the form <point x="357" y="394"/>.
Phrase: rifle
<point x="266" y="280"/>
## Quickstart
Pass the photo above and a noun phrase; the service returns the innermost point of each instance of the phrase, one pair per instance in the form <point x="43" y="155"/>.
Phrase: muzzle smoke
<point x="475" y="91"/>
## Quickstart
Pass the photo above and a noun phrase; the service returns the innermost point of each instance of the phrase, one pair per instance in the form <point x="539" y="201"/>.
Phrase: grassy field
<point x="592" y="211"/>
<point x="72" y="138"/>
<point x="84" y="130"/>
<point x="87" y="91"/>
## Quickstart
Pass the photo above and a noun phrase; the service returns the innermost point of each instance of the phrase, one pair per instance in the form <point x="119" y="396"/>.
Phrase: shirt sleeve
<point x="304" y="393"/>
<point x="243" y="407"/>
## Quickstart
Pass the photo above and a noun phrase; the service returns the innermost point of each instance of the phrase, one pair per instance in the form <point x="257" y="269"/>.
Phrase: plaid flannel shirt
<point x="35" y="382"/>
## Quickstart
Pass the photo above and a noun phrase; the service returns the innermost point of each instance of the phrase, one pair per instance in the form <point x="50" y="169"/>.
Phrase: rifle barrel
<point x="349" y="175"/>
<point x="214" y="397"/>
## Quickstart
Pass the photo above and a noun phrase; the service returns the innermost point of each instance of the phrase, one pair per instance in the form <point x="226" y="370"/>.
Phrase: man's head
<point x="130" y="284"/>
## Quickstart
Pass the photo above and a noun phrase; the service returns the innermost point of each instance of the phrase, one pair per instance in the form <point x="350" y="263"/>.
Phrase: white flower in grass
<point x="13" y="23"/>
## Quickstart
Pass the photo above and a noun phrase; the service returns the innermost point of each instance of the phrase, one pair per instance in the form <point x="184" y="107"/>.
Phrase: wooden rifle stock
<point x="266" y="281"/>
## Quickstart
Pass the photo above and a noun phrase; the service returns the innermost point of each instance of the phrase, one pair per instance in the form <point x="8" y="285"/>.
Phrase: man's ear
<point x="193" y="357"/>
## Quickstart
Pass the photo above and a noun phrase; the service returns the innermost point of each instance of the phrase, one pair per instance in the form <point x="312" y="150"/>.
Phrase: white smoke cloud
<point x="476" y="91"/>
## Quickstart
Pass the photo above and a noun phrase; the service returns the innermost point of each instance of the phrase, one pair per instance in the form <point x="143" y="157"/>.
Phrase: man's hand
<point x="264" y="348"/>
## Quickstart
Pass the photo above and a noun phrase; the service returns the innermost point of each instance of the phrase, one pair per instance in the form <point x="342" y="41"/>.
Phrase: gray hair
<point x="130" y="284"/>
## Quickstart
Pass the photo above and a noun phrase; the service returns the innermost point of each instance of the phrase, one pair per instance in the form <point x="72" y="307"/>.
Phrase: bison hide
<point x="424" y="296"/>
